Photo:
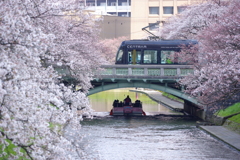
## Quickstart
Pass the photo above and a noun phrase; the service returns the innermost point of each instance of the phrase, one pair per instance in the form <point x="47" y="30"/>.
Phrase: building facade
<point x="147" y="12"/>
<point x="121" y="8"/>
<point x="141" y="13"/>
<point x="114" y="27"/>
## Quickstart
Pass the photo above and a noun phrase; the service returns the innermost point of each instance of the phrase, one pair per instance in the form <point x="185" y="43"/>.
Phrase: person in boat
<point x="127" y="100"/>
<point x="115" y="103"/>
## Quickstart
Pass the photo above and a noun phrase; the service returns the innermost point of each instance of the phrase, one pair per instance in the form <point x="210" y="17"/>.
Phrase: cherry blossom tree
<point x="36" y="107"/>
<point x="110" y="48"/>
<point x="195" y="18"/>
<point x="216" y="62"/>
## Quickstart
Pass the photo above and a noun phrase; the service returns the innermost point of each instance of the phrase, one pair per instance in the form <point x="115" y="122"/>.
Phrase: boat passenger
<point x="120" y="104"/>
<point x="115" y="103"/>
<point x="137" y="103"/>
<point x="127" y="100"/>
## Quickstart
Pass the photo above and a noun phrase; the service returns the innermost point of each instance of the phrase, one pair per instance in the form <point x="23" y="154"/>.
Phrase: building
<point x="147" y="12"/>
<point x="121" y="8"/>
<point x="114" y="27"/>
<point x="138" y="13"/>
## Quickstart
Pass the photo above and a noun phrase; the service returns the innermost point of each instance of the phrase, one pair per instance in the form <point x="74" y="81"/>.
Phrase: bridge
<point x="156" y="77"/>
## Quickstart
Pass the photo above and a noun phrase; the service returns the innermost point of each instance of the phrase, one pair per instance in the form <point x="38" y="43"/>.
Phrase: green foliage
<point x="235" y="118"/>
<point x="52" y="126"/>
<point x="53" y="105"/>
<point x="169" y="61"/>
<point x="10" y="147"/>
<point x="230" y="110"/>
<point x="8" y="152"/>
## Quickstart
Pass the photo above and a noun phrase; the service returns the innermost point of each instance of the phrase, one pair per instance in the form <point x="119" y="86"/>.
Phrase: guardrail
<point x="147" y="70"/>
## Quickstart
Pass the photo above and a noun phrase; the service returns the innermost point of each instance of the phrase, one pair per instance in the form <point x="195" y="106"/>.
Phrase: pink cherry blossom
<point x="35" y="37"/>
<point x="216" y="25"/>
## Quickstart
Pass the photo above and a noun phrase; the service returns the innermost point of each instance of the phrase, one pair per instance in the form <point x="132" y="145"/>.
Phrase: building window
<point x="112" y="13"/>
<point x="112" y="2"/>
<point x="153" y="26"/>
<point x="181" y="8"/>
<point x="90" y="2"/>
<point x="154" y="10"/>
<point x="124" y="2"/>
<point x="101" y="2"/>
<point x="123" y="14"/>
<point x="167" y="10"/>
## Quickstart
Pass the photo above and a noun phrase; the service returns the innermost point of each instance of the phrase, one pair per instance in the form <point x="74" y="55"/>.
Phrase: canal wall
<point x="234" y="126"/>
<point x="158" y="97"/>
<point x="194" y="110"/>
<point x="224" y="121"/>
<point x="187" y="108"/>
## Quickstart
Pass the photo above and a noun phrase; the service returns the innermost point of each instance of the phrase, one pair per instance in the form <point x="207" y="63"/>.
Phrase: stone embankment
<point x="224" y="121"/>
<point x="224" y="134"/>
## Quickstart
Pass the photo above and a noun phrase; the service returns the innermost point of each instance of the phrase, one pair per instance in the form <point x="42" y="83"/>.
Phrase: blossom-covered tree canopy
<point x="35" y="106"/>
<point x="110" y="48"/>
<point x="216" y="25"/>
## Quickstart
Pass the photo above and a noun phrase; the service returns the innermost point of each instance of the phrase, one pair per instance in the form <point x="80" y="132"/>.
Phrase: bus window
<point x="150" y="56"/>
<point x="119" y="55"/>
<point x="134" y="57"/>
<point x="167" y="57"/>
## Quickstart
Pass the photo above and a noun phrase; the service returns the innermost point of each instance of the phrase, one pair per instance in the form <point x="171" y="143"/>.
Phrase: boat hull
<point x="127" y="111"/>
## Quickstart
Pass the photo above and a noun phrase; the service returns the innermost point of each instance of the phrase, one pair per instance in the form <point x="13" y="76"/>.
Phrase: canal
<point x="144" y="138"/>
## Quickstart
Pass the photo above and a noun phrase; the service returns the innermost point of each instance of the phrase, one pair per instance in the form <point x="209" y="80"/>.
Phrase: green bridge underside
<point x="165" y="86"/>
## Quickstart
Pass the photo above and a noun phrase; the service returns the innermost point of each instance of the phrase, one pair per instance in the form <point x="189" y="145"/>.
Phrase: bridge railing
<point x="147" y="70"/>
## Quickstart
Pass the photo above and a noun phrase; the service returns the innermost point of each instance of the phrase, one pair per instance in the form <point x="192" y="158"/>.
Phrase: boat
<point x="127" y="109"/>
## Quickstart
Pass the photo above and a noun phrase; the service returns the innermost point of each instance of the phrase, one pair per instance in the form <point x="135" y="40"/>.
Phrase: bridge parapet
<point x="150" y="71"/>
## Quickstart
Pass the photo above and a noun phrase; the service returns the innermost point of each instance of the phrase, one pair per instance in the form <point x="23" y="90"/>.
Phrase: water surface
<point x="150" y="138"/>
<point x="146" y="138"/>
